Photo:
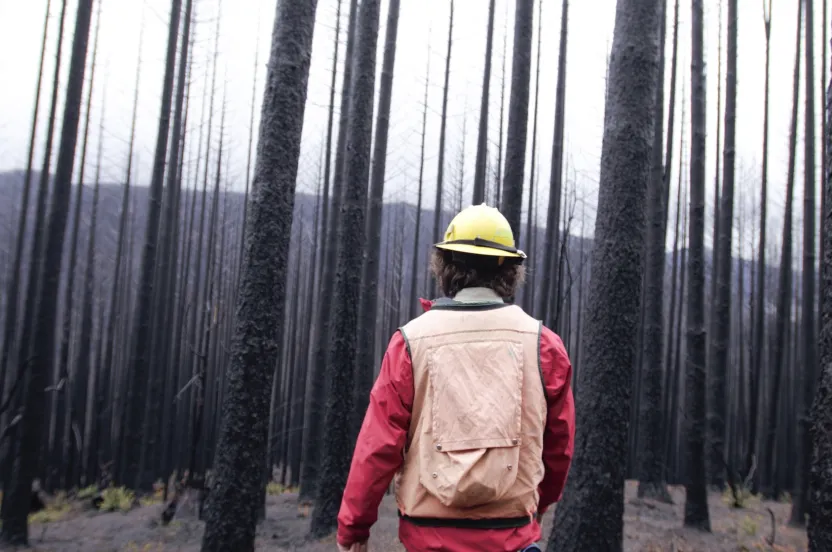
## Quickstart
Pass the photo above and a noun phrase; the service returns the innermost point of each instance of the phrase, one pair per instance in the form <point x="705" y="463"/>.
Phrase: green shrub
<point x="157" y="497"/>
<point x="55" y="511"/>
<point x="748" y="526"/>
<point x="87" y="492"/>
<point x="117" y="499"/>
<point x="743" y="499"/>
<point x="274" y="488"/>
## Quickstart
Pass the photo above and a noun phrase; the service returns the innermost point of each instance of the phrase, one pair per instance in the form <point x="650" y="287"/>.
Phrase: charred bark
<point x="549" y="302"/>
<point x="139" y="368"/>
<point x="721" y="313"/>
<point x="518" y="115"/>
<point x="343" y="345"/>
<point x="808" y="338"/>
<point x="16" y="511"/>
<point x="482" y="133"/>
<point x="696" y="502"/>
<point x="651" y="477"/>
<point x="231" y="515"/>
<point x="590" y="516"/>
<point x="369" y="276"/>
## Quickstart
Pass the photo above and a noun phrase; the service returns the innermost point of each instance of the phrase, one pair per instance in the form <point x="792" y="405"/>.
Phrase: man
<point x="472" y="411"/>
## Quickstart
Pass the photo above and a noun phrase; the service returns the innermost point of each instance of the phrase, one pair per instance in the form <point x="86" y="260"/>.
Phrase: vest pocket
<point x="471" y="447"/>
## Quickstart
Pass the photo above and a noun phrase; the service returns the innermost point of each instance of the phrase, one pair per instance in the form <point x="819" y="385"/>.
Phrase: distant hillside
<point x="395" y="214"/>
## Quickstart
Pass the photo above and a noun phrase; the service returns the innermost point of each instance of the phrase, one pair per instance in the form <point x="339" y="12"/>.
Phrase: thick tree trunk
<point x="66" y="384"/>
<point x="820" y="479"/>
<point x="232" y="511"/>
<point x="696" y="503"/>
<point x="651" y="476"/>
<point x="808" y="344"/>
<point x="80" y="376"/>
<point x="590" y="516"/>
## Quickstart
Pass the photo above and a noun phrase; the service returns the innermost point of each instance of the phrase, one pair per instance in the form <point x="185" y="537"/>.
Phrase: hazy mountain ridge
<point x="231" y="209"/>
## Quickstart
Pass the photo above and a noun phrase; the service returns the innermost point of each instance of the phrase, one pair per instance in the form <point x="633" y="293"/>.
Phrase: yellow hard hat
<point x="480" y="230"/>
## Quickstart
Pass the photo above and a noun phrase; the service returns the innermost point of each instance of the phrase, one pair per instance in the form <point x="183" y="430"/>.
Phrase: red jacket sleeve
<point x="379" y="449"/>
<point x="559" y="435"/>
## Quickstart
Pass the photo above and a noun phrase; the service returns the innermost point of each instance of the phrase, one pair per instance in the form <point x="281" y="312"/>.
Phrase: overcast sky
<point x="245" y="27"/>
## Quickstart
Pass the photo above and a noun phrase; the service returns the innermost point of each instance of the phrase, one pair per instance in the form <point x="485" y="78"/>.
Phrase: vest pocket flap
<point x="476" y="394"/>
<point x="471" y="478"/>
<point x="463" y="445"/>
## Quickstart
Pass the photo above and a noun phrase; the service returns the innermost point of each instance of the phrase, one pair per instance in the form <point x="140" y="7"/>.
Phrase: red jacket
<point x="379" y="453"/>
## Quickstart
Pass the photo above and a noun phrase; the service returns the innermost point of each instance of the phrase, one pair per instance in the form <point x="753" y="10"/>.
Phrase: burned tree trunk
<point x="14" y="395"/>
<point x="232" y="511"/>
<point x="337" y="445"/>
<point x="440" y="170"/>
<point x="820" y="478"/>
<point x="779" y="350"/>
<point x="721" y="313"/>
<point x="482" y="133"/>
<point x="139" y="368"/>
<point x="651" y="476"/>
<point x="696" y="502"/>
<point x="531" y="215"/>
<point x="758" y="342"/>
<point x="16" y="511"/>
<point x="518" y="115"/>
<point x="809" y="343"/>
<point x="369" y="276"/>
<point x="314" y="409"/>
<point x="498" y="171"/>
<point x="413" y="303"/>
<point x="549" y="302"/>
<point x="13" y="289"/>
<point x="165" y="278"/>
<point x="590" y="516"/>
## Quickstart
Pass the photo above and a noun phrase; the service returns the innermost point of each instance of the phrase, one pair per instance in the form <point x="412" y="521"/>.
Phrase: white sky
<point x="246" y="26"/>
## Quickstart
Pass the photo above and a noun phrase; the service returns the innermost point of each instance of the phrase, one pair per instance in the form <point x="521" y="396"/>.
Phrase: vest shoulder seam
<point x="540" y="361"/>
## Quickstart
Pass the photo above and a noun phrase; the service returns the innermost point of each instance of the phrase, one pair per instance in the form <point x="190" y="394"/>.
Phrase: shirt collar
<point x="477" y="295"/>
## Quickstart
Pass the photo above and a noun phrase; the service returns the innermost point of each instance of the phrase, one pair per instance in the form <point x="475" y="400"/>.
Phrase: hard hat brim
<point x="480" y="250"/>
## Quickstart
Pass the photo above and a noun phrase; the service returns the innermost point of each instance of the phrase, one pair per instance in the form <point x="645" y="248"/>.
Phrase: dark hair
<point x="456" y="271"/>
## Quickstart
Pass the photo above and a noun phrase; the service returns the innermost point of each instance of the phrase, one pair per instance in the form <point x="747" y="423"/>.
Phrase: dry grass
<point x="649" y="527"/>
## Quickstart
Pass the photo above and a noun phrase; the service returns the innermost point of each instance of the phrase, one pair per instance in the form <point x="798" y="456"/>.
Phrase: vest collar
<point x="477" y="297"/>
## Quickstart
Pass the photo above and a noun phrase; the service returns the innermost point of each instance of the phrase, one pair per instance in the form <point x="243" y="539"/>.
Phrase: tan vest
<point x="474" y="448"/>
